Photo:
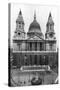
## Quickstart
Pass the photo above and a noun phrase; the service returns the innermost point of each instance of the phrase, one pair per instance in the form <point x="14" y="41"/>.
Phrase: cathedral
<point x="34" y="48"/>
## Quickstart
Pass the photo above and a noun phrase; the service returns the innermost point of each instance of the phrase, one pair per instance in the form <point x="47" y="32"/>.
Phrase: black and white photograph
<point x="33" y="45"/>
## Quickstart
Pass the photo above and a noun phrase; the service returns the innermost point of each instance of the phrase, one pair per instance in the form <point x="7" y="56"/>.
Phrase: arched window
<point x="19" y="25"/>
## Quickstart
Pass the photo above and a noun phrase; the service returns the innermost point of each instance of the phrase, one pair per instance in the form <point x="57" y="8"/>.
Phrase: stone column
<point x="38" y="59"/>
<point x="32" y="56"/>
<point x="38" y="46"/>
<point x="25" y="48"/>
<point x="29" y="59"/>
<point x="33" y="46"/>
<point x="32" y="59"/>
<point x="29" y="46"/>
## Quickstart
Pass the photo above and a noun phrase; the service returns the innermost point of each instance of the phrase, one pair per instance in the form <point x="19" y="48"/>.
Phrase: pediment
<point x="34" y="38"/>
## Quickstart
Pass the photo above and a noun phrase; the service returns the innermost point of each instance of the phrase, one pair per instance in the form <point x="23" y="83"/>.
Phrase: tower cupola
<point x="50" y="28"/>
<point x="19" y="32"/>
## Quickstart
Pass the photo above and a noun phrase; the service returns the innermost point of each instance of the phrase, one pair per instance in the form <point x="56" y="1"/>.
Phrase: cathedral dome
<point x="34" y="25"/>
<point x="34" y="28"/>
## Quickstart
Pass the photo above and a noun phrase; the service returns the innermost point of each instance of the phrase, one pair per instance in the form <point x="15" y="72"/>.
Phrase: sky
<point x="42" y="13"/>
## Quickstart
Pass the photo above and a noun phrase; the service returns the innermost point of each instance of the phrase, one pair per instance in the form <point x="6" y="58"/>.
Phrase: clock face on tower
<point x="18" y="33"/>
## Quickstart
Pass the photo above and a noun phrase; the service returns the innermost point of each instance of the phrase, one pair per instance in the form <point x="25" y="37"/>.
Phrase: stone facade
<point x="33" y="42"/>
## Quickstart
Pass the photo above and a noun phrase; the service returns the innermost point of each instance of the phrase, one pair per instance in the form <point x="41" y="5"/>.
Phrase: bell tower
<point x="50" y="34"/>
<point x="19" y="32"/>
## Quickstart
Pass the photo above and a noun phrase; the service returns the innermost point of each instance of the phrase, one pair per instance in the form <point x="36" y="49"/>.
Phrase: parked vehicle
<point x="36" y="81"/>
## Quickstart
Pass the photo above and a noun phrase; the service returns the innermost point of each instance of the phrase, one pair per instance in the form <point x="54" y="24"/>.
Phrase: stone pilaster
<point x="38" y="46"/>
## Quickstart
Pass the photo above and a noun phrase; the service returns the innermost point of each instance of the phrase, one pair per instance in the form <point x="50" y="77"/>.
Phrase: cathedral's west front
<point x="32" y="48"/>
